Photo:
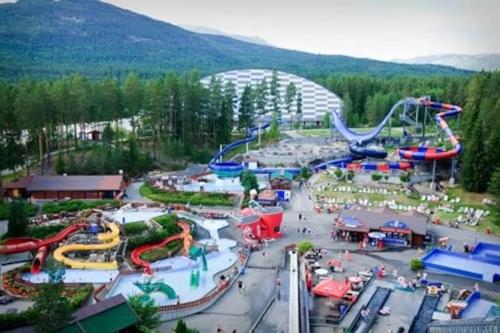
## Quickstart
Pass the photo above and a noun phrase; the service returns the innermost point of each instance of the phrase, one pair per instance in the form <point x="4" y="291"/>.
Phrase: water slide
<point x="424" y="314"/>
<point x="135" y="256"/>
<point x="431" y="153"/>
<point x="25" y="244"/>
<point x="357" y="140"/>
<point x="233" y="169"/>
<point x="108" y="240"/>
<point x="362" y="324"/>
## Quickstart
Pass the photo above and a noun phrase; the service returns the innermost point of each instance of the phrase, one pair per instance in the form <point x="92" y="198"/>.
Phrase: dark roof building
<point x="111" y="315"/>
<point x="61" y="187"/>
<point x="411" y="226"/>
<point x="281" y="180"/>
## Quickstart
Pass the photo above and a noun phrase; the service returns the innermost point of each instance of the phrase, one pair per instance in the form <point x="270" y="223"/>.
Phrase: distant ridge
<point x="44" y="38"/>
<point x="475" y="62"/>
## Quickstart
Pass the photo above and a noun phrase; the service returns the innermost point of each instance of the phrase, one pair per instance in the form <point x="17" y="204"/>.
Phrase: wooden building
<point x="63" y="187"/>
<point x="400" y="228"/>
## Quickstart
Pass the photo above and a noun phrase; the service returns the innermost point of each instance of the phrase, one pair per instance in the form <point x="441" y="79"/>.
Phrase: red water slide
<point x="135" y="256"/>
<point x="25" y="244"/>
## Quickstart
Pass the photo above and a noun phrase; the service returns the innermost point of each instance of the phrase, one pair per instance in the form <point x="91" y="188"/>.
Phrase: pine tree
<point x="18" y="219"/>
<point x="299" y="109"/>
<point x="275" y="95"/>
<point x="246" y="111"/>
<point x="52" y="310"/>
<point x="290" y="95"/>
<point x="327" y="120"/>
<point x="147" y="313"/>
<point x="60" y="166"/>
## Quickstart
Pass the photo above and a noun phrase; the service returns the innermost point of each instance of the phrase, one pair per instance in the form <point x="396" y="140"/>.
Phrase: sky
<point x="379" y="29"/>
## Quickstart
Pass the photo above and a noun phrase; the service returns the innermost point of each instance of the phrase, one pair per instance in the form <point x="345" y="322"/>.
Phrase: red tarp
<point x="332" y="288"/>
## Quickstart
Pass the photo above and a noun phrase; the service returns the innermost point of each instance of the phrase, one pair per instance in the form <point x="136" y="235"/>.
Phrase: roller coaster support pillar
<point x="433" y="180"/>
<point x="452" y="172"/>
<point x="220" y="150"/>
<point x="247" y="147"/>
<point x="259" y="132"/>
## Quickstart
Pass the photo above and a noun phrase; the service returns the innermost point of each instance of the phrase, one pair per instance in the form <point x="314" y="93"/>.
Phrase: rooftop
<point x="75" y="183"/>
<point x="376" y="218"/>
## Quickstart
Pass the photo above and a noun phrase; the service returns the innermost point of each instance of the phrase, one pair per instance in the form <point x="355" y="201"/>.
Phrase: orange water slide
<point x="135" y="256"/>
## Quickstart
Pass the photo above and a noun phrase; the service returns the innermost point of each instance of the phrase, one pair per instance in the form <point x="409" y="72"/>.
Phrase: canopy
<point x="332" y="288"/>
<point x="351" y="224"/>
<point x="396" y="226"/>
<point x="376" y="235"/>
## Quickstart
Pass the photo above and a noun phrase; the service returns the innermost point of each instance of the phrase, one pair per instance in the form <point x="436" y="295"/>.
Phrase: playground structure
<point x="108" y="240"/>
<point x="260" y="222"/>
<point x="23" y="244"/>
<point x="149" y="287"/>
<point x="184" y="235"/>
<point x="483" y="263"/>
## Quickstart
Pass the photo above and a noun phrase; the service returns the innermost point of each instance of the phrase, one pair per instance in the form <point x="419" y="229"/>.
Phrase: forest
<point x="176" y="117"/>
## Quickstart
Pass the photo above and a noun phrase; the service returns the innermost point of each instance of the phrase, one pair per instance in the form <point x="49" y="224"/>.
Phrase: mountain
<point x="211" y="31"/>
<point x="475" y="62"/>
<point x="44" y="38"/>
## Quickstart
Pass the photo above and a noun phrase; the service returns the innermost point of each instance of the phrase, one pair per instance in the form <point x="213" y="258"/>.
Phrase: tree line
<point x="175" y="115"/>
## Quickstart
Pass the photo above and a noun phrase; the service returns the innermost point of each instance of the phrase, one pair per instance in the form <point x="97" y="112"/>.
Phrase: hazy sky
<point x="381" y="29"/>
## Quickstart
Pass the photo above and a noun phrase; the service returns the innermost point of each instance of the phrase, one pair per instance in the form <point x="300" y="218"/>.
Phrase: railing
<point x="175" y="311"/>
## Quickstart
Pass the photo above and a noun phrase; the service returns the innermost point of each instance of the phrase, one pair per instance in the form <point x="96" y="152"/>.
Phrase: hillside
<point x="475" y="62"/>
<point x="44" y="38"/>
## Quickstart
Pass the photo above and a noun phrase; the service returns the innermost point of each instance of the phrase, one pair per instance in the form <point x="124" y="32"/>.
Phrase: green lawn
<point x="193" y="198"/>
<point x="467" y="200"/>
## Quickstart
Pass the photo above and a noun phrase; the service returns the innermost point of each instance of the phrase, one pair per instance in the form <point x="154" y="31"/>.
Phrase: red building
<point x="262" y="223"/>
<point x="72" y="187"/>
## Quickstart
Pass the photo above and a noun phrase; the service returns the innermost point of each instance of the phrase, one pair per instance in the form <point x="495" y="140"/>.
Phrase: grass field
<point x="467" y="199"/>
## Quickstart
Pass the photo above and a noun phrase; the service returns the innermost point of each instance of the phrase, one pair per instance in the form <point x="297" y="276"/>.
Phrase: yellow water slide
<point x="108" y="240"/>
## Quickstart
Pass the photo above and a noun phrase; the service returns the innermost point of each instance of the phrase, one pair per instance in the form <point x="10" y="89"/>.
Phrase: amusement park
<point x="164" y="178"/>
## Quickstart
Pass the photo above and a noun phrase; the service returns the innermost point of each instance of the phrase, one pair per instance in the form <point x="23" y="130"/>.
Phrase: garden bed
<point x="77" y="205"/>
<point x="193" y="198"/>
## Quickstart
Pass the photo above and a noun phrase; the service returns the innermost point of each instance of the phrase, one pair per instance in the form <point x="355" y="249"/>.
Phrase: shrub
<point x="338" y="173"/>
<point x="31" y="209"/>
<point x="193" y="198"/>
<point x="161" y="253"/>
<point x="405" y="177"/>
<point x="168" y="222"/>
<point x="416" y="264"/>
<point x="350" y="175"/>
<point x="76" y="205"/>
<point x="304" y="246"/>
<point x="15" y="320"/>
<point x="44" y="231"/>
<point x="376" y="176"/>
<point x="305" y="173"/>
<point x="135" y="228"/>
<point x="152" y="237"/>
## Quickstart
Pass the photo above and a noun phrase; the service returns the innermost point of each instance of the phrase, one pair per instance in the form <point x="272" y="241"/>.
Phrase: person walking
<point x="240" y="286"/>
<point x="278" y="289"/>
<point x="300" y="217"/>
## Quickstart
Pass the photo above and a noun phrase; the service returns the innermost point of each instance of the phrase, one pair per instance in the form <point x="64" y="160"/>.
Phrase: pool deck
<point x="178" y="277"/>
<point x="76" y="276"/>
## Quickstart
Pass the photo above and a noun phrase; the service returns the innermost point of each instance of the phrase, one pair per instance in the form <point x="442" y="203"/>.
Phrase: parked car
<point x="6" y="299"/>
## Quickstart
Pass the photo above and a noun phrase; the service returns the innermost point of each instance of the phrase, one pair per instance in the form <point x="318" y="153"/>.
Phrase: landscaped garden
<point x="77" y="205"/>
<point x="192" y="198"/>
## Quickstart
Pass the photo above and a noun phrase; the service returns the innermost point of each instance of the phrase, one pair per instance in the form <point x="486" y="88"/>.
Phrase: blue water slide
<point x="340" y="162"/>
<point x="233" y="169"/>
<point x="363" y="138"/>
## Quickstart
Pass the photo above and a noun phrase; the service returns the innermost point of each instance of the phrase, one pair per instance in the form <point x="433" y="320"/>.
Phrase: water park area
<point x="360" y="231"/>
